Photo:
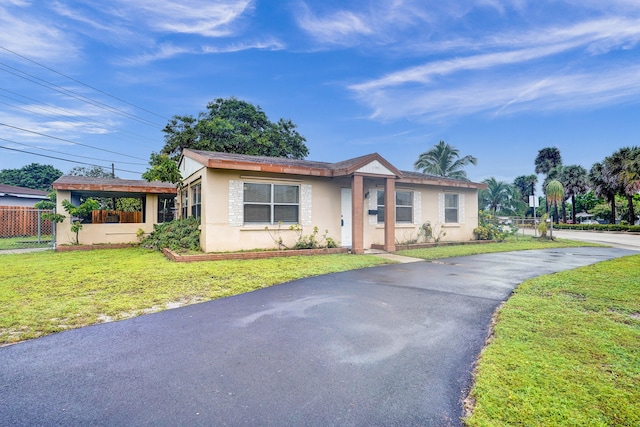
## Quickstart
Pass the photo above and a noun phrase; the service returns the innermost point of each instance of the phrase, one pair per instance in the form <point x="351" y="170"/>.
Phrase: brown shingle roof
<point x="13" y="190"/>
<point x="218" y="160"/>
<point x="87" y="183"/>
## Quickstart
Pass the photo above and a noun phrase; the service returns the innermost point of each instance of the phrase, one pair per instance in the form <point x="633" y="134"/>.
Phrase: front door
<point x="345" y="211"/>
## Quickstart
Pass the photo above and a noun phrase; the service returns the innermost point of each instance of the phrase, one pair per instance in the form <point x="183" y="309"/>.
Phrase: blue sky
<point x="499" y="80"/>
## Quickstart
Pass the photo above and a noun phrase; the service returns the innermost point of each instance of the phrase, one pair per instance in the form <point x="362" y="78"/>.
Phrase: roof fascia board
<point x="115" y="188"/>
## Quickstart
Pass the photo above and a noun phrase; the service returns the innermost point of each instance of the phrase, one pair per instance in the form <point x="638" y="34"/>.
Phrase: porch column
<point x="357" y="202"/>
<point x="389" y="214"/>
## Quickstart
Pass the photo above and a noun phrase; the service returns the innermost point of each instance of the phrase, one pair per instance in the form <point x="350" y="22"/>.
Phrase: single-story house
<point x="248" y="202"/>
<point x="134" y="205"/>
<point x="10" y="195"/>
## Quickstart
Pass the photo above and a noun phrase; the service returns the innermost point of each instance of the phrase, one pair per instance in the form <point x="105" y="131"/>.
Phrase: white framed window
<point x="404" y="207"/>
<point x="451" y="208"/>
<point x="271" y="203"/>
<point x="185" y="203"/>
<point x="196" y="200"/>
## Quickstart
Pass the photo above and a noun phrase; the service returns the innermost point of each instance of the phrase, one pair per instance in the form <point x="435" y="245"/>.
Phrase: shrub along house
<point x="134" y="205"/>
<point x="247" y="202"/>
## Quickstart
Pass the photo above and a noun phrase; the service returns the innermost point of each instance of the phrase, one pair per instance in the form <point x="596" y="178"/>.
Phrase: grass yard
<point x="565" y="352"/>
<point x="25" y="242"/>
<point x="47" y="292"/>
<point x="519" y="243"/>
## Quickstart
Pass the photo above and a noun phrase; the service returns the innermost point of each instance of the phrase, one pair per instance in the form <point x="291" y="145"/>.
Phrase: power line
<point x="67" y="160"/>
<point x="84" y="84"/>
<point x="74" y="95"/>
<point x="70" y="154"/>
<point x="67" y="140"/>
<point x="59" y="111"/>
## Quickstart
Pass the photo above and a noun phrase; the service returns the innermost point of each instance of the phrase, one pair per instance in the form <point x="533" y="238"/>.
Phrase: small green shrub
<point x="311" y="241"/>
<point x="489" y="229"/>
<point x="177" y="235"/>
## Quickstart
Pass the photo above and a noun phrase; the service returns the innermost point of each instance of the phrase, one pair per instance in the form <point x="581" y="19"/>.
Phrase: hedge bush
<point x="598" y="227"/>
<point x="177" y="235"/>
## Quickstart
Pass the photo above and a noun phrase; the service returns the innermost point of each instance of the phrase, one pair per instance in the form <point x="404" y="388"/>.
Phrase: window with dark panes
<point x="380" y="206"/>
<point x="196" y="200"/>
<point x="271" y="203"/>
<point x="404" y="207"/>
<point x="166" y="208"/>
<point x="185" y="203"/>
<point x="451" y="208"/>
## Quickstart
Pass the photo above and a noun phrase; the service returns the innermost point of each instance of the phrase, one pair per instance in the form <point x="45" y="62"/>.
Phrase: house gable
<point x="375" y="168"/>
<point x="189" y="166"/>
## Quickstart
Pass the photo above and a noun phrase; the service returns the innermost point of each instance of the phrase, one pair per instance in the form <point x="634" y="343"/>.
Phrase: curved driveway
<point x="390" y="345"/>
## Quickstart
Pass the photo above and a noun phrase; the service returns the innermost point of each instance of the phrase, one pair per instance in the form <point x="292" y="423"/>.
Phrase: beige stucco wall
<point x="429" y="210"/>
<point x="91" y="234"/>
<point x="219" y="233"/>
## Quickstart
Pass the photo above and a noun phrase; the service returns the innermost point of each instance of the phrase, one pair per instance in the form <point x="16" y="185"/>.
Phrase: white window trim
<point x="461" y="210"/>
<point x="236" y="202"/>
<point x="374" y="203"/>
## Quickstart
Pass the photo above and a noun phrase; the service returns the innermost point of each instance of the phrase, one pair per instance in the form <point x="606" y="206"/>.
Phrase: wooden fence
<point x="105" y="216"/>
<point x="19" y="221"/>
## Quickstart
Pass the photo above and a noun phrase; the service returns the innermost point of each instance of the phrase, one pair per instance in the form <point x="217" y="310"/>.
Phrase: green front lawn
<point x="25" y="242"/>
<point x="565" y="351"/>
<point x="47" y="292"/>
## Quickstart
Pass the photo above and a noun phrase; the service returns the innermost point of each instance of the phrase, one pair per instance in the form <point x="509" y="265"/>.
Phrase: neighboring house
<point x="248" y="202"/>
<point x="146" y="204"/>
<point x="11" y="195"/>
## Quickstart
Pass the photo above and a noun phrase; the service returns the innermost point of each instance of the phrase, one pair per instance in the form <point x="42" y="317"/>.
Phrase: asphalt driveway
<point x="390" y="345"/>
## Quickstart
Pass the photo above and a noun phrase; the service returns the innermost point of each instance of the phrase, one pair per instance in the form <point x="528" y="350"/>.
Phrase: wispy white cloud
<point x="161" y="52"/>
<point x="459" y="85"/>
<point x="335" y="27"/>
<point x="202" y="17"/>
<point x="25" y="33"/>
<point x="271" y="44"/>
<point x="501" y="96"/>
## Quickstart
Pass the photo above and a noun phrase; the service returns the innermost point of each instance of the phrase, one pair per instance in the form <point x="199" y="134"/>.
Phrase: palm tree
<point x="555" y="194"/>
<point x="547" y="159"/>
<point x="574" y="180"/>
<point x="621" y="169"/>
<point x="547" y="162"/>
<point x="599" y="179"/>
<point x="496" y="195"/>
<point x="443" y="160"/>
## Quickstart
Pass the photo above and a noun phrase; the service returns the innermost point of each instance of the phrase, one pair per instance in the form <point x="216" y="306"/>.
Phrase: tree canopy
<point x="547" y="159"/>
<point x="35" y="175"/>
<point x="496" y="195"/>
<point x="233" y="126"/>
<point x="162" y="169"/>
<point x="93" y="171"/>
<point x="444" y="160"/>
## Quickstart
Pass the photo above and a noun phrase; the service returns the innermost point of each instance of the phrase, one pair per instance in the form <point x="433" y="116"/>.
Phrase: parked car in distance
<point x="589" y="222"/>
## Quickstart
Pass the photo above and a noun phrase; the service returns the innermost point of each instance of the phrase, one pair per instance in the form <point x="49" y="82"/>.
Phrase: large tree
<point x="603" y="186"/>
<point x="575" y="181"/>
<point x="621" y="169"/>
<point x="555" y="194"/>
<point x="35" y="175"/>
<point x="547" y="159"/>
<point x="526" y="186"/>
<point x="496" y="196"/>
<point x="233" y="126"/>
<point x="444" y="160"/>
<point x="162" y="169"/>
<point x="547" y="163"/>
<point x="93" y="171"/>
